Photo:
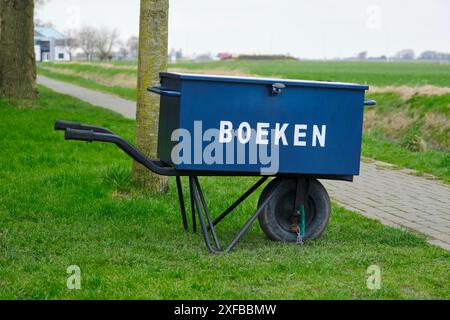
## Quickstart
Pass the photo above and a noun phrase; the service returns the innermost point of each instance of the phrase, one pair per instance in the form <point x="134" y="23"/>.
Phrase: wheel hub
<point x="286" y="213"/>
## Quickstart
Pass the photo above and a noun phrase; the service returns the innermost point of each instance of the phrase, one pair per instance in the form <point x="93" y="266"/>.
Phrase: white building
<point x="50" y="45"/>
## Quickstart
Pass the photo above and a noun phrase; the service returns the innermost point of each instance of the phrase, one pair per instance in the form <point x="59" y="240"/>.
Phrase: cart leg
<point x="191" y="197"/>
<point x="181" y="200"/>
<point x="208" y="218"/>
<point x="206" y="213"/>
<point x="195" y="198"/>
<point x="202" y="212"/>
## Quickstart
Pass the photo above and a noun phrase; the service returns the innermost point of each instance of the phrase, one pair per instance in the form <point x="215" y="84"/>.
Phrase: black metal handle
<point x="64" y="125"/>
<point x="163" y="91"/>
<point x="81" y="135"/>
<point x="89" y="135"/>
<point x="369" y="102"/>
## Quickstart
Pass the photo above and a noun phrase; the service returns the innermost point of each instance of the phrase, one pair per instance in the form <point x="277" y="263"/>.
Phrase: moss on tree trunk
<point x="153" y="38"/>
<point x="17" y="59"/>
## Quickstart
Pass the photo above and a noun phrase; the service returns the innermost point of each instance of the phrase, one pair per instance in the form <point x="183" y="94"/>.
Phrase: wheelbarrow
<point x="293" y="131"/>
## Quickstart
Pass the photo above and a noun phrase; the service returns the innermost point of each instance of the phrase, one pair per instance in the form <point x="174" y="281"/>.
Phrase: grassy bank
<point x="68" y="203"/>
<point x="413" y="132"/>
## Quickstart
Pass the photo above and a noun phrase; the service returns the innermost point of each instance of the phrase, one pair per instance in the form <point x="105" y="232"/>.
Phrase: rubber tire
<point x="318" y="210"/>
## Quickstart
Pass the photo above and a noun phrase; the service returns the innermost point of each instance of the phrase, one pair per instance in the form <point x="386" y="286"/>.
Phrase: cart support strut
<point x="207" y="225"/>
<point x="181" y="200"/>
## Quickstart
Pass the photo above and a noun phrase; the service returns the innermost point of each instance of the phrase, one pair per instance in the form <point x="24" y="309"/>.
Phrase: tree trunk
<point x="153" y="38"/>
<point x="17" y="59"/>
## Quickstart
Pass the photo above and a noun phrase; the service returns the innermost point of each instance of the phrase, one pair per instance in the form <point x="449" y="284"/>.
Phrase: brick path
<point x="398" y="198"/>
<point x="394" y="197"/>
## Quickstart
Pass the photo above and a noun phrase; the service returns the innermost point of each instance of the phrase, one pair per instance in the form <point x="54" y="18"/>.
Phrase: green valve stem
<point x="302" y="220"/>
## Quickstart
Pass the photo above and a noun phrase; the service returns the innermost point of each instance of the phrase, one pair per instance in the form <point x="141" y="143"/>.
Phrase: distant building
<point x="224" y="56"/>
<point x="175" y="55"/>
<point x="203" y="57"/>
<point x="50" y="45"/>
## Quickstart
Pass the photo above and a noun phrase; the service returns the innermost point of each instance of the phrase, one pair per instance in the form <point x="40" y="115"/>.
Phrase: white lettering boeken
<point x="244" y="133"/>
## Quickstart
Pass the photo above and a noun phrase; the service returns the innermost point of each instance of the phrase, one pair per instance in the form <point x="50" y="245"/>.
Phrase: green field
<point x="411" y="131"/>
<point x="372" y="73"/>
<point x="68" y="203"/>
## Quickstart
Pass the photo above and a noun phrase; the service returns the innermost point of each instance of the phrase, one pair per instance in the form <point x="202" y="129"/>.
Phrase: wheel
<point x="278" y="220"/>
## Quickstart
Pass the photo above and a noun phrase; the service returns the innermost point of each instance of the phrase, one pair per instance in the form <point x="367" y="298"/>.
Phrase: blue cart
<point x="293" y="130"/>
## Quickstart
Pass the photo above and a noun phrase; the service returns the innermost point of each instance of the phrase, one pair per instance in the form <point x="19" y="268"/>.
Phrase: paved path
<point x="398" y="198"/>
<point x="125" y="107"/>
<point x="394" y="197"/>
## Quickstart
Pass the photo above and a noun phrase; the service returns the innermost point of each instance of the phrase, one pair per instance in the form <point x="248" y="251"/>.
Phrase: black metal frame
<point x="207" y="225"/>
<point x="83" y="132"/>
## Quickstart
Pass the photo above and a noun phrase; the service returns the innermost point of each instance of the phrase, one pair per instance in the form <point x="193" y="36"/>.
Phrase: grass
<point x="68" y="203"/>
<point x="126" y="93"/>
<point x="390" y="74"/>
<point x="374" y="73"/>
<point x="437" y="163"/>
<point x="410" y="133"/>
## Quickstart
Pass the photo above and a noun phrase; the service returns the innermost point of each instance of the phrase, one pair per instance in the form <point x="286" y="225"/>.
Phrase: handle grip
<point x="81" y="135"/>
<point x="64" y="125"/>
<point x="369" y="102"/>
<point x="164" y="91"/>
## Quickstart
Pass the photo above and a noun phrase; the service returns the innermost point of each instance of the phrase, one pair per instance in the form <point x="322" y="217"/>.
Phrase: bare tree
<point x="123" y="50"/>
<point x="405" y="54"/>
<point x="88" y="37"/>
<point x="38" y="4"/>
<point x="434" y="55"/>
<point x="362" y="55"/>
<point x="72" y="42"/>
<point x="153" y="38"/>
<point x="106" y="39"/>
<point x="132" y="44"/>
<point x="17" y="59"/>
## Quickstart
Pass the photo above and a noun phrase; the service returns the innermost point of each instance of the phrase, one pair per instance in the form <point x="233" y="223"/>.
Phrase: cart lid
<point x="270" y="81"/>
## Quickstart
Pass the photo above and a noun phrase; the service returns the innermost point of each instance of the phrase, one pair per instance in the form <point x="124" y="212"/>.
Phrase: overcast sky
<point x="304" y="28"/>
